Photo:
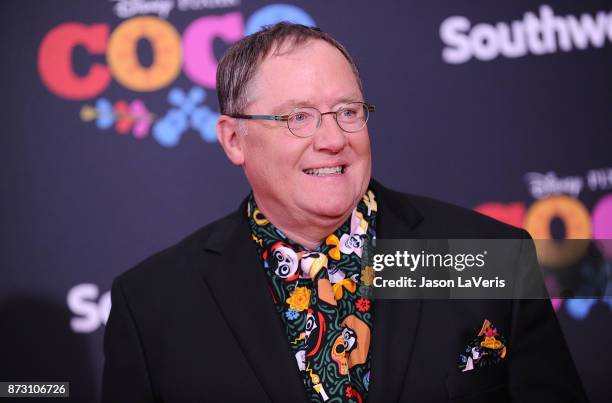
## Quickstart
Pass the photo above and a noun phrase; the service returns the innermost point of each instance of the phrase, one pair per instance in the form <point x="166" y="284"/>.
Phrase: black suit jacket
<point x="196" y="323"/>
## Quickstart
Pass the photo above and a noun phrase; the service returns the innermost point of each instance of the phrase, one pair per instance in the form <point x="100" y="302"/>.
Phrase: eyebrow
<point x="288" y="106"/>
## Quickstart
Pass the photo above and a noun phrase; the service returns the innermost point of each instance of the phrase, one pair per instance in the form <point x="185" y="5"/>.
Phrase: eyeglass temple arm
<point x="371" y="108"/>
<point x="261" y="117"/>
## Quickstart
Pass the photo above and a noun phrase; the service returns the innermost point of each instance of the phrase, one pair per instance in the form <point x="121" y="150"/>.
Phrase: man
<point x="266" y="304"/>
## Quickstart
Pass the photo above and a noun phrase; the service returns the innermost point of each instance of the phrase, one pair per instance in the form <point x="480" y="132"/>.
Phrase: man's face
<point x="314" y="74"/>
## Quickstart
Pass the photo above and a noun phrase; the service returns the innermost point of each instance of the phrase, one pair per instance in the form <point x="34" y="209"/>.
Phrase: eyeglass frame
<point x="285" y="118"/>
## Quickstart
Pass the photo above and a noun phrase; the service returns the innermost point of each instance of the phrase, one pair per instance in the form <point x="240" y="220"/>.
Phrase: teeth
<point x="324" y="171"/>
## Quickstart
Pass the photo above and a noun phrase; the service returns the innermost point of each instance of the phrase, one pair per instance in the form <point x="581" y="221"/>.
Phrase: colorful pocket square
<point x="488" y="348"/>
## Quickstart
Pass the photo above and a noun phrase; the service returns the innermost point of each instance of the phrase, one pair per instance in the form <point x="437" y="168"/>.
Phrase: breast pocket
<point x="479" y="385"/>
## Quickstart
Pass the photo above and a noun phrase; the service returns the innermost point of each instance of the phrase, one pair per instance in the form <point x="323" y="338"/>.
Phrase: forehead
<point x="314" y="73"/>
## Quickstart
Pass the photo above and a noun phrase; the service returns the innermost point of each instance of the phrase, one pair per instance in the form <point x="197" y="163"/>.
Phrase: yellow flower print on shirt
<point x="299" y="299"/>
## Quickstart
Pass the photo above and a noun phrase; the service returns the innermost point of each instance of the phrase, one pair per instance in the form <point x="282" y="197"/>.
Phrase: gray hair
<point x="239" y="64"/>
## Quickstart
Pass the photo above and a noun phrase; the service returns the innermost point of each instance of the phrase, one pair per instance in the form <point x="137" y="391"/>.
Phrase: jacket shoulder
<point x="449" y="220"/>
<point x="173" y="263"/>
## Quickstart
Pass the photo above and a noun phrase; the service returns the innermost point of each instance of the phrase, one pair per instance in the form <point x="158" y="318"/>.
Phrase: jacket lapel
<point x="395" y="321"/>
<point x="237" y="282"/>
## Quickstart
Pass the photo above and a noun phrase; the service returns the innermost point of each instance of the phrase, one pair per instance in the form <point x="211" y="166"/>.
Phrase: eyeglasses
<point x="303" y="122"/>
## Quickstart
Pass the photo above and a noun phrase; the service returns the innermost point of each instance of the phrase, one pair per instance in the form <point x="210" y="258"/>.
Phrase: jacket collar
<point x="237" y="282"/>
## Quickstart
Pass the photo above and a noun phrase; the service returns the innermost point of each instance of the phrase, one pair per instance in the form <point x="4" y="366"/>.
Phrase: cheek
<point x="361" y="147"/>
<point x="273" y="161"/>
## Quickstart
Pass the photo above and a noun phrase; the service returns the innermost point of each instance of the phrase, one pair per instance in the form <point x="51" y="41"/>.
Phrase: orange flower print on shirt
<point x="299" y="299"/>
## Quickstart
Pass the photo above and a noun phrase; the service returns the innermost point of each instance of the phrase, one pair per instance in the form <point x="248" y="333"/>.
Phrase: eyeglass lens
<point x="352" y="117"/>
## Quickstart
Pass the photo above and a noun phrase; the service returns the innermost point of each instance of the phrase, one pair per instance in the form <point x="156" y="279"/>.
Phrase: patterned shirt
<point x="323" y="297"/>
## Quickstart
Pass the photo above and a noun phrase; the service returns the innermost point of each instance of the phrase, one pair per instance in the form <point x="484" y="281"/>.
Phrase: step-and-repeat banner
<point x="109" y="150"/>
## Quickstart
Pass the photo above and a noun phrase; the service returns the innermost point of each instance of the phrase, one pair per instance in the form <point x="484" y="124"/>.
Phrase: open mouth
<point x="327" y="171"/>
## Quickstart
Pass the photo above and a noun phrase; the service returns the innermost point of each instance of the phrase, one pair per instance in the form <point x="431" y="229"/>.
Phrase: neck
<point x="307" y="230"/>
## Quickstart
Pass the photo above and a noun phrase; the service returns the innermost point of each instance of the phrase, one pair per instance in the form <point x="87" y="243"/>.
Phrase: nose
<point x="329" y="136"/>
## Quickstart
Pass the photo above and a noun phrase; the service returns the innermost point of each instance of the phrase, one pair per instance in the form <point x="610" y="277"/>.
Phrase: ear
<point x="230" y="139"/>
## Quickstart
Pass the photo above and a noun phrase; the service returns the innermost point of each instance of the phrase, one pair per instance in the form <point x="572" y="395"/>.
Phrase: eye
<point x="348" y="113"/>
<point x="300" y="118"/>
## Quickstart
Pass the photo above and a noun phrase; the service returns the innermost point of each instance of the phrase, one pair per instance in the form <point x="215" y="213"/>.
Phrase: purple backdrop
<point x="109" y="155"/>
